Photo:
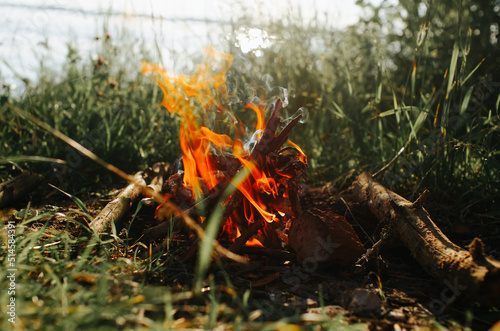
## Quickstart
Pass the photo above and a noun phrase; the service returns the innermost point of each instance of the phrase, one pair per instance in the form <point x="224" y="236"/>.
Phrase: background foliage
<point x="418" y="78"/>
<point x="420" y="75"/>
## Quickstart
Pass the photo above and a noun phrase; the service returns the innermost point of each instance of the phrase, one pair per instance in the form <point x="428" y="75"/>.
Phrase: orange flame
<point x="192" y="97"/>
<point x="254" y="242"/>
<point x="260" y="115"/>
<point x="302" y="155"/>
<point x="207" y="86"/>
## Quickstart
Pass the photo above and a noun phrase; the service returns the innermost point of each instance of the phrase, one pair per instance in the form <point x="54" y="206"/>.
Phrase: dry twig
<point x="117" y="208"/>
<point x="470" y="271"/>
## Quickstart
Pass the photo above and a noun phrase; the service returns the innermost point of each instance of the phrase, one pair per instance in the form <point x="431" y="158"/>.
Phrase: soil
<point x="391" y="292"/>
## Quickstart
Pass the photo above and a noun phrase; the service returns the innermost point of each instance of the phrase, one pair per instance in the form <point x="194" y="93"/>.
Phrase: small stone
<point x="365" y="301"/>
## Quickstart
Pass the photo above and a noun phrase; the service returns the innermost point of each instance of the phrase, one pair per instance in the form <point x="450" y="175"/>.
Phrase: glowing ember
<point x="199" y="99"/>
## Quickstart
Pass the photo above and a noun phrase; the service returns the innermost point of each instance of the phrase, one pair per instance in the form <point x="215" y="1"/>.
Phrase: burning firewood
<point x="283" y="167"/>
<point x="469" y="272"/>
<point x="269" y="194"/>
<point x="263" y="175"/>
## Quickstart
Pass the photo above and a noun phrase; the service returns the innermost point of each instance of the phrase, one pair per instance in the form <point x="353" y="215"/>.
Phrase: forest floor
<point x="392" y="292"/>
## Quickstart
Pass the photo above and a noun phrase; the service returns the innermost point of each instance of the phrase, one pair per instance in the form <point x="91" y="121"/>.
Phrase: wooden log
<point x="117" y="208"/>
<point x="18" y="187"/>
<point x="263" y="146"/>
<point x="464" y="272"/>
<point x="283" y="136"/>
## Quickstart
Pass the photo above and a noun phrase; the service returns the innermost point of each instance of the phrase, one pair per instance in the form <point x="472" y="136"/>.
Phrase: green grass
<point x="365" y="101"/>
<point x="72" y="280"/>
<point x="108" y="107"/>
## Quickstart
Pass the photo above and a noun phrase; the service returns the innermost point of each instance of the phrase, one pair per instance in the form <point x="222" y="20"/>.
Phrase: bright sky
<point x="32" y="29"/>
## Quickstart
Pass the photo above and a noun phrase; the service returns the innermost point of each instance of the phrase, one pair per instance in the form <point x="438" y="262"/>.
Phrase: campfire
<point x="216" y="146"/>
<point x="265" y="168"/>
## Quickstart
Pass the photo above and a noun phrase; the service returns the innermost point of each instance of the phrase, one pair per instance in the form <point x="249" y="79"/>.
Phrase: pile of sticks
<point x="282" y="163"/>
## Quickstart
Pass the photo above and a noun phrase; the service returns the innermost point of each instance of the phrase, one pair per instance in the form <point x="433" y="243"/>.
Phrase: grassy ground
<point x="364" y="107"/>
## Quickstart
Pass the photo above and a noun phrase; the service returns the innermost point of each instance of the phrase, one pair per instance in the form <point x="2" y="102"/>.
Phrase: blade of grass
<point x="213" y="224"/>
<point x="395" y="111"/>
<point x="395" y="102"/>
<point x="139" y="207"/>
<point x="338" y="112"/>
<point x="378" y="94"/>
<point x="472" y="72"/>
<point x="412" y="126"/>
<point x="453" y="66"/>
<point x="30" y="158"/>
<point x="418" y="122"/>
<point x="413" y="79"/>
<point x="75" y="199"/>
<point x="465" y="101"/>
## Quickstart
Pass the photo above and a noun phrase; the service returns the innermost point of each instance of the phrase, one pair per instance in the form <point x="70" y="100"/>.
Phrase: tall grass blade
<point x="413" y="79"/>
<point x="396" y="110"/>
<point x="378" y="95"/>
<point x="213" y="223"/>
<point x="465" y="101"/>
<point x="30" y="158"/>
<point x="395" y="103"/>
<point x="453" y="66"/>
<point x="75" y="199"/>
<point x="337" y="111"/>
<point x="472" y="72"/>
<point x="418" y="122"/>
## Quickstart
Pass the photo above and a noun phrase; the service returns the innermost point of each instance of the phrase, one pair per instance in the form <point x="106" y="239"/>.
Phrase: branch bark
<point x="117" y="208"/>
<point x="470" y="272"/>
